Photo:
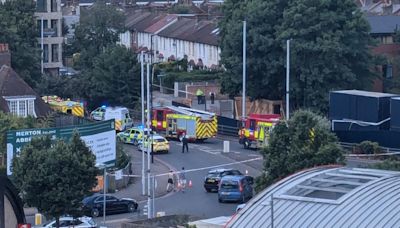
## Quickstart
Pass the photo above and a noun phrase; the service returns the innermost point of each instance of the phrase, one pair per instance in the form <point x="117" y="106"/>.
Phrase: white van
<point x="121" y="115"/>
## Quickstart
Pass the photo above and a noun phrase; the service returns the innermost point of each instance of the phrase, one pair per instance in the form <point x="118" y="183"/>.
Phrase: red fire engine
<point x="255" y="129"/>
<point x="159" y="118"/>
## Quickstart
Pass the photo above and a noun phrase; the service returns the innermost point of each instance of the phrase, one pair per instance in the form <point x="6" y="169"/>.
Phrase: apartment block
<point x="49" y="11"/>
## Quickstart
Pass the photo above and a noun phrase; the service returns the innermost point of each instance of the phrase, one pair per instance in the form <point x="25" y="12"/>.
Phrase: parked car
<point x="132" y="135"/>
<point x="68" y="221"/>
<point x="213" y="177"/>
<point x="160" y="144"/>
<point x="235" y="188"/>
<point x="93" y="205"/>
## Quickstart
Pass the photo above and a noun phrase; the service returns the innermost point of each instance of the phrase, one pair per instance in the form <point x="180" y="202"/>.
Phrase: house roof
<point x="143" y="21"/>
<point x="164" y="21"/>
<point x="11" y="84"/>
<point x="193" y="30"/>
<point x="383" y="24"/>
<point x="326" y="197"/>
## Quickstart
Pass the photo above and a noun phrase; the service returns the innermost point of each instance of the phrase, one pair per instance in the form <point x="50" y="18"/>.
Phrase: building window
<point x="54" y="27"/>
<point x="53" y="5"/>
<point x="387" y="71"/>
<point x="54" y="52"/>
<point x="41" y="6"/>
<point x="46" y="53"/>
<point x="22" y="108"/>
<point x="31" y="108"/>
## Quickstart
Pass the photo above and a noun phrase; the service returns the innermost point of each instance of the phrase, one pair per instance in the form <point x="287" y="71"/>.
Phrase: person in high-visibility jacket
<point x="199" y="94"/>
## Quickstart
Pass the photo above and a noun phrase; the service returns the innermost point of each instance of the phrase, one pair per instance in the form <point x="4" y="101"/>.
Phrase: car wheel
<point x="131" y="207"/>
<point x="95" y="212"/>
<point x="208" y="190"/>
<point x="220" y="200"/>
<point x="135" y="142"/>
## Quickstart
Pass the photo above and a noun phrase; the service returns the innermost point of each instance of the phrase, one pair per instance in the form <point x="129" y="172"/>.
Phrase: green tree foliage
<point x="304" y="141"/>
<point x="114" y="79"/>
<point x="329" y="49"/>
<point x="18" y="29"/>
<point x="392" y="163"/>
<point x="55" y="176"/>
<point x="99" y="27"/>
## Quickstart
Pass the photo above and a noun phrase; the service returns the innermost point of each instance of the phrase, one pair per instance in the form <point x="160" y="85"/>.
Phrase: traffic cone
<point x="190" y="183"/>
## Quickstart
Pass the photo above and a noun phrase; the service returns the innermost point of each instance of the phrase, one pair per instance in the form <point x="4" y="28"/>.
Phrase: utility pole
<point x="142" y="95"/>
<point x="41" y="44"/>
<point x="244" y="73"/>
<point x="149" y="209"/>
<point x="287" y="77"/>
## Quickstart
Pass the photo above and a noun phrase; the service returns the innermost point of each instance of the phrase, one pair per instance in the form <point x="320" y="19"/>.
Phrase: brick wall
<point x="5" y="56"/>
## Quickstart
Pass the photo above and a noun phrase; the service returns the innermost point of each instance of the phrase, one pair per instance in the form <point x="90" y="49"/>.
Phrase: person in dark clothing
<point x="212" y="97"/>
<point x="185" y="142"/>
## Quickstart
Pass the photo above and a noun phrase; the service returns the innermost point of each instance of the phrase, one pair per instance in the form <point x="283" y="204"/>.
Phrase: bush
<point x="389" y="164"/>
<point x="122" y="157"/>
<point x="368" y="147"/>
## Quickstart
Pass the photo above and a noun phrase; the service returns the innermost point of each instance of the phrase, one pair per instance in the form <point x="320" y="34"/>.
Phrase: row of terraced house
<point x="163" y="37"/>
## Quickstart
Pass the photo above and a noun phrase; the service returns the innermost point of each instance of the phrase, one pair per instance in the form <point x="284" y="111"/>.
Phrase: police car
<point x="133" y="135"/>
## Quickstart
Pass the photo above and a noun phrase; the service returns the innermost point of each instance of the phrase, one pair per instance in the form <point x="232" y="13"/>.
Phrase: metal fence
<point x="228" y="126"/>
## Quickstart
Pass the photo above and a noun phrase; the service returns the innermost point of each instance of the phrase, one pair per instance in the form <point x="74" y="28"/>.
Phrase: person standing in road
<point x="182" y="180"/>
<point x="185" y="143"/>
<point x="170" y="184"/>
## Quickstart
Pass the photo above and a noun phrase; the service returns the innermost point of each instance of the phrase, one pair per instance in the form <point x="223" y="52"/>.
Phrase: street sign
<point x="118" y="175"/>
<point x="99" y="137"/>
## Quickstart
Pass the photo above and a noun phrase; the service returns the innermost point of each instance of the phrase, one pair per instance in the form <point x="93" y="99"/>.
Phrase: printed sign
<point x="99" y="137"/>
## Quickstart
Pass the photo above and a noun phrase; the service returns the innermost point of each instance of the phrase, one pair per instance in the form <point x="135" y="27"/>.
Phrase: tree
<point x="329" y="50"/>
<point x="99" y="27"/>
<point x="303" y="142"/>
<point x="18" y="29"/>
<point x="114" y="79"/>
<point x="55" y="176"/>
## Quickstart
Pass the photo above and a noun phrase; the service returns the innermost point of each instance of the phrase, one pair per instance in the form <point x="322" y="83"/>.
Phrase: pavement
<point x="134" y="190"/>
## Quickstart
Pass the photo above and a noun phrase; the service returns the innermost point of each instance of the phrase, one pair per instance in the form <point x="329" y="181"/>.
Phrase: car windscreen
<point x="213" y="175"/>
<point x="87" y="200"/>
<point x="159" y="140"/>
<point x="228" y="184"/>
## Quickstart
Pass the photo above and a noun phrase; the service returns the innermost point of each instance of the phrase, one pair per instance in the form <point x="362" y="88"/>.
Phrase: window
<point x="22" y="108"/>
<point x="110" y="198"/>
<point x="12" y="105"/>
<point x="31" y="109"/>
<point x="54" y="52"/>
<point x="160" y="116"/>
<point x="387" y="71"/>
<point x="46" y="53"/>
<point x="53" y="6"/>
<point x="54" y="27"/>
<point x="41" y="6"/>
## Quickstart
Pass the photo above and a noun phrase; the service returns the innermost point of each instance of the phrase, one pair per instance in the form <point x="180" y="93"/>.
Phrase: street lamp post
<point x="244" y="72"/>
<point x="142" y="95"/>
<point x="149" y="209"/>
<point x="287" y="77"/>
<point x="103" y="166"/>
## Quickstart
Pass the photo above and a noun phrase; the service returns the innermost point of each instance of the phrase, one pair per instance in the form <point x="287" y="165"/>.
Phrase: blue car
<point x="235" y="188"/>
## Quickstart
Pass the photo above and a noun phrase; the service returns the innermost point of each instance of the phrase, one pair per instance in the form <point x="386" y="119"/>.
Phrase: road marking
<point x="254" y="155"/>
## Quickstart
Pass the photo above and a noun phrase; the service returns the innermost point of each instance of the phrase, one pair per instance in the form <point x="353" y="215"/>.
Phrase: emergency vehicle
<point x="196" y="124"/>
<point x="121" y="116"/>
<point x="256" y="129"/>
<point x="133" y="135"/>
<point x="65" y="106"/>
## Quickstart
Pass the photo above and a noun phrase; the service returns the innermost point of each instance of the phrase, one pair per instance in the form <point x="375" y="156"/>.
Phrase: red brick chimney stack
<point x="5" y="56"/>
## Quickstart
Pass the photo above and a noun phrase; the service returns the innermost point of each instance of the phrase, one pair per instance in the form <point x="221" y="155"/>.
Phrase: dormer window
<point x="22" y="106"/>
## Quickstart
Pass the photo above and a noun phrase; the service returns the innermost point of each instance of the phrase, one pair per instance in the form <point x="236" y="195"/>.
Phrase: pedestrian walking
<point x="185" y="143"/>
<point x="182" y="180"/>
<point x="170" y="182"/>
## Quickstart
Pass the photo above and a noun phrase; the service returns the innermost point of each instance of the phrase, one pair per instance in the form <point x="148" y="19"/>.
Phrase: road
<point x="196" y="201"/>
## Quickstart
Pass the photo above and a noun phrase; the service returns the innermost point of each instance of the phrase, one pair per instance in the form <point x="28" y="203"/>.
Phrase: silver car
<point x="67" y="222"/>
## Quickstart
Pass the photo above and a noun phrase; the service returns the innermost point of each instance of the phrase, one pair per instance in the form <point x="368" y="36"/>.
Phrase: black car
<point x="213" y="177"/>
<point x="93" y="205"/>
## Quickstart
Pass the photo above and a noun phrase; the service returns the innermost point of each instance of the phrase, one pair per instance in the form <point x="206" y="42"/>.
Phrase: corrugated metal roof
<point x="364" y="93"/>
<point x="373" y="202"/>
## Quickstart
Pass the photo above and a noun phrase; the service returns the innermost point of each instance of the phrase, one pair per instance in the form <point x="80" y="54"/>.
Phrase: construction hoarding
<point x="99" y="137"/>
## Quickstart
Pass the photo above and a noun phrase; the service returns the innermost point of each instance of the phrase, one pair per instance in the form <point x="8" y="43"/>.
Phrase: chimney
<point x="5" y="56"/>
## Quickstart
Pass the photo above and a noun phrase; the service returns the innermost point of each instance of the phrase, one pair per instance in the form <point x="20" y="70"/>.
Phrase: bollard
<point x="38" y="219"/>
<point x="226" y="147"/>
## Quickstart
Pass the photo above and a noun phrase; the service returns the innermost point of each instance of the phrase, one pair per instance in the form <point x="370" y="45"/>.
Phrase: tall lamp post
<point x="149" y="209"/>
<point x="287" y="77"/>
<point x="103" y="166"/>
<point x="244" y="73"/>
<point x="142" y="95"/>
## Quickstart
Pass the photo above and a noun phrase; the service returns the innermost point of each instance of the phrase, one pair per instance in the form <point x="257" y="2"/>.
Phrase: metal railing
<point x="227" y="130"/>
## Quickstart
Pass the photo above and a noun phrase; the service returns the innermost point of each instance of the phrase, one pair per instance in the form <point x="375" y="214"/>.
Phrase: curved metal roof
<point x="326" y="197"/>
